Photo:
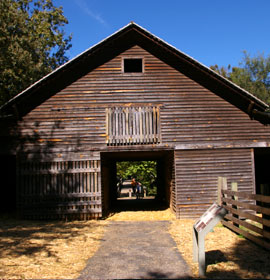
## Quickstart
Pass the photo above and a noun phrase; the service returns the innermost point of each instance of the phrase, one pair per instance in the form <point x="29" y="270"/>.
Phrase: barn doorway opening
<point x="262" y="174"/>
<point x="8" y="184"/>
<point x="153" y="170"/>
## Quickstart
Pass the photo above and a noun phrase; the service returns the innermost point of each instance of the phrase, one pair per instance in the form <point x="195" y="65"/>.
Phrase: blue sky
<point x="211" y="31"/>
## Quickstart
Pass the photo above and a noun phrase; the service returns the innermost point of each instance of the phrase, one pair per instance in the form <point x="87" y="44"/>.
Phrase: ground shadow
<point x="214" y="256"/>
<point x="161" y="275"/>
<point x="19" y="237"/>
<point x="252" y="260"/>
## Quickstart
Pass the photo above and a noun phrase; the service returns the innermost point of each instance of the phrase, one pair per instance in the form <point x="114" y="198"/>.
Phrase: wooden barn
<point x="130" y="97"/>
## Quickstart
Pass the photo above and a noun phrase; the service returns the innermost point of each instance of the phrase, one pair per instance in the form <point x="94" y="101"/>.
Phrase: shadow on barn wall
<point x="34" y="182"/>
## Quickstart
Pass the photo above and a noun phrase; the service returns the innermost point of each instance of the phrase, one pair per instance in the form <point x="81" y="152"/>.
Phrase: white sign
<point x="207" y="217"/>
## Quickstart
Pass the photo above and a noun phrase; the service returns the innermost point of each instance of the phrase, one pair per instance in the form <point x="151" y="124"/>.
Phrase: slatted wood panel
<point x="173" y="199"/>
<point x="197" y="173"/>
<point x="132" y="125"/>
<point x="64" y="189"/>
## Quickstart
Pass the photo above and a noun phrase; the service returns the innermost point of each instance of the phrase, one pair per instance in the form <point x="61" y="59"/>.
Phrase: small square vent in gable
<point x="132" y="65"/>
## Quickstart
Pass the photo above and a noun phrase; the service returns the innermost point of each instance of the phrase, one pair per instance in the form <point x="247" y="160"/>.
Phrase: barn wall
<point x="197" y="173"/>
<point x="59" y="189"/>
<point x="73" y="122"/>
<point x="74" y="118"/>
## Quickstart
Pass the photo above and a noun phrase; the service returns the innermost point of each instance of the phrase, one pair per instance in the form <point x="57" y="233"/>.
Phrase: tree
<point x="32" y="43"/>
<point x="253" y="75"/>
<point x="144" y="171"/>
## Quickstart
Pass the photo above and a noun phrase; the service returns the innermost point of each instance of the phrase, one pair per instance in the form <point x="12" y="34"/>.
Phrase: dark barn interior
<point x="262" y="174"/>
<point x="8" y="183"/>
<point x="109" y="180"/>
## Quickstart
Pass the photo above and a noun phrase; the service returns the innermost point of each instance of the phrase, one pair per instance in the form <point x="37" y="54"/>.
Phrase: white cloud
<point x="83" y="5"/>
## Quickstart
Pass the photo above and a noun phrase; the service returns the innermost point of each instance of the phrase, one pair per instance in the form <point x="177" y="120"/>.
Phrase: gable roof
<point x="128" y="36"/>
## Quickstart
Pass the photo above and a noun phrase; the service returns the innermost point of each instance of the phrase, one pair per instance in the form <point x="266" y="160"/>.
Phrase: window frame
<point x="132" y="73"/>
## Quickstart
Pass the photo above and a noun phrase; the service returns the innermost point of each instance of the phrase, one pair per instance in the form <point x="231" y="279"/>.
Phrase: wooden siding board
<point x="74" y="119"/>
<point x="197" y="172"/>
<point x="57" y="189"/>
<point x="189" y="113"/>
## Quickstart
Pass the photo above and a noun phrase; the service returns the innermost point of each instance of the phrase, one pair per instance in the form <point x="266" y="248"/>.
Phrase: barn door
<point x="59" y="189"/>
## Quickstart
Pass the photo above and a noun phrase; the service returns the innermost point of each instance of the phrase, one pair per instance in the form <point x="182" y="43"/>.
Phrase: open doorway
<point x="136" y="179"/>
<point x="152" y="170"/>
<point x="8" y="184"/>
<point x="262" y="174"/>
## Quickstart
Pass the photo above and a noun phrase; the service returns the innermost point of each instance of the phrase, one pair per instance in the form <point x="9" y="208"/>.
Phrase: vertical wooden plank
<point x="73" y="186"/>
<point x="141" y="125"/>
<point x="62" y="182"/>
<point x="107" y="126"/>
<point x="55" y="177"/>
<point x="127" y="125"/>
<point x="123" y="125"/>
<point x="222" y="185"/>
<point x="65" y="178"/>
<point x="91" y="182"/>
<point x="113" y="125"/>
<point x="137" y="126"/>
<point x="154" y="125"/>
<point x="110" y="117"/>
<point x="150" y="124"/>
<point x="96" y="181"/>
<point x="130" y="124"/>
<point x="133" y="124"/>
<point x="219" y="194"/>
<point x="265" y="190"/>
<point x="88" y="177"/>
<point x="158" y="125"/>
<point x="234" y="187"/>
<point x="134" y="134"/>
<point x="146" y="125"/>
<point x="116" y="125"/>
<point x="81" y="163"/>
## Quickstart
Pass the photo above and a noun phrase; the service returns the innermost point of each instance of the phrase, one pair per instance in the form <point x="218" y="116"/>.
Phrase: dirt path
<point x="137" y="250"/>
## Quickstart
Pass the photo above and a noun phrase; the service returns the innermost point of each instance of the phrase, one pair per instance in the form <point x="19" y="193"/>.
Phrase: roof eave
<point x="241" y="94"/>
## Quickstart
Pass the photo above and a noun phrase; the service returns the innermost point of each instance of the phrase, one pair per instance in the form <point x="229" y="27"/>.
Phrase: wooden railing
<point x="132" y="125"/>
<point x="245" y="216"/>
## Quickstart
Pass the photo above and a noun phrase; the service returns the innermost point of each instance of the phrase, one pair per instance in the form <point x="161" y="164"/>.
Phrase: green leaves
<point x="253" y="75"/>
<point x="32" y="43"/>
<point x="144" y="171"/>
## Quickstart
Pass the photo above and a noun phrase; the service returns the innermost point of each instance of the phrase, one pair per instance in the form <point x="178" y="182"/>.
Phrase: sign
<point x="207" y="221"/>
<point x="207" y="217"/>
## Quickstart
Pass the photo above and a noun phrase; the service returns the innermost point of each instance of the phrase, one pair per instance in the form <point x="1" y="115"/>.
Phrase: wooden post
<point x="234" y="187"/>
<point x="222" y="185"/>
<point x="265" y="190"/>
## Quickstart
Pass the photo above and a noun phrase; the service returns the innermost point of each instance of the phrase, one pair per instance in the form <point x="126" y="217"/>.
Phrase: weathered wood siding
<point x="197" y="173"/>
<point x="75" y="117"/>
<point x="191" y="119"/>
<point x="59" y="189"/>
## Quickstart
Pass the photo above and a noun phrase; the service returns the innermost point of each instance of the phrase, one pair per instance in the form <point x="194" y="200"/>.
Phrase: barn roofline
<point x="202" y="74"/>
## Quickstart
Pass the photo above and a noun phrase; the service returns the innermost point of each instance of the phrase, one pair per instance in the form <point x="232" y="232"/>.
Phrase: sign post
<point x="207" y="221"/>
